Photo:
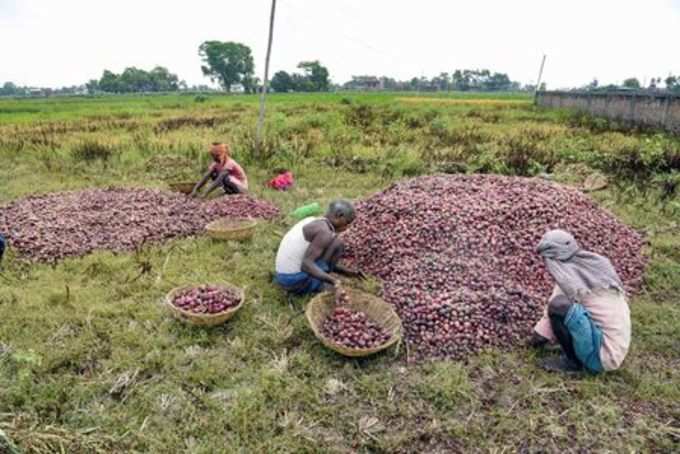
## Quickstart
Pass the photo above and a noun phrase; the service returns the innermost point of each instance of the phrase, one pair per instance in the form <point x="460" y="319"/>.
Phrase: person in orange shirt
<point x="224" y="172"/>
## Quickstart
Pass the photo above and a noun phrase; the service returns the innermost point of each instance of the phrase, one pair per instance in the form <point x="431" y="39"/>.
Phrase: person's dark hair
<point x="341" y="209"/>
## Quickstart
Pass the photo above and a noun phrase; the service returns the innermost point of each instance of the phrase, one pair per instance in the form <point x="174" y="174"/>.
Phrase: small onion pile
<point x="457" y="255"/>
<point x="54" y="226"/>
<point x="354" y="329"/>
<point x="206" y="299"/>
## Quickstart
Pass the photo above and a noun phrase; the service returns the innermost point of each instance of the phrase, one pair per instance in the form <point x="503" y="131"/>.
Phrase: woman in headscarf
<point x="224" y="172"/>
<point x="588" y="314"/>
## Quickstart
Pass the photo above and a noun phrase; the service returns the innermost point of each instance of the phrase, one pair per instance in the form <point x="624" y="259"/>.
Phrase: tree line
<point x="314" y="77"/>
<point x="231" y="66"/>
<point x="135" y="80"/>
<point x="671" y="83"/>
<point x="458" y="80"/>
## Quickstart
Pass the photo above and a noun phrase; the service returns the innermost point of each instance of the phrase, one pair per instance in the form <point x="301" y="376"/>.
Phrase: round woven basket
<point x="204" y="319"/>
<point x="231" y="229"/>
<point x="380" y="312"/>
<point x="184" y="188"/>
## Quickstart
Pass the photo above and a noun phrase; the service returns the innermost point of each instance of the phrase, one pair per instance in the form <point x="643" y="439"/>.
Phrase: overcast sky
<point x="66" y="42"/>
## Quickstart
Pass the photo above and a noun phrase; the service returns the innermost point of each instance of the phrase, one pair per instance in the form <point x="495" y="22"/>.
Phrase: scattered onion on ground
<point x="54" y="226"/>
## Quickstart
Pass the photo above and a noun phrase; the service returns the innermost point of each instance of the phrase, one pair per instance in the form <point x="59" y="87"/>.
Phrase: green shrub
<point x="92" y="150"/>
<point x="360" y="115"/>
<point x="402" y="162"/>
<point x="630" y="157"/>
<point x="672" y="156"/>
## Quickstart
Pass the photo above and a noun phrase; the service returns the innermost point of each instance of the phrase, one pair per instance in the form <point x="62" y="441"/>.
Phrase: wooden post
<point x="263" y="92"/>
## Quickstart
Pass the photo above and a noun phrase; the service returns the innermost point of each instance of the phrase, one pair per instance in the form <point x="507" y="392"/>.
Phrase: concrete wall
<point x="658" y="110"/>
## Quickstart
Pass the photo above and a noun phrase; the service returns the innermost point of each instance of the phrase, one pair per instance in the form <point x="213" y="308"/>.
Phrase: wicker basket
<point x="370" y="284"/>
<point x="382" y="313"/>
<point x="231" y="229"/>
<point x="203" y="319"/>
<point x="184" y="188"/>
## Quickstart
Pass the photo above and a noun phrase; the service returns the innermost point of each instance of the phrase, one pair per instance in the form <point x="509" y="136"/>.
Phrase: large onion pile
<point x="457" y="255"/>
<point x="53" y="226"/>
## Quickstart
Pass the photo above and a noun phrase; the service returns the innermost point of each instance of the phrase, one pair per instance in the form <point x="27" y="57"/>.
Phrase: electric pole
<point x="540" y="75"/>
<point x="263" y="93"/>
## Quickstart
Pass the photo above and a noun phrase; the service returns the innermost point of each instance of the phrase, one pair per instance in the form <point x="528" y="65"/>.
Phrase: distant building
<point x="364" y="83"/>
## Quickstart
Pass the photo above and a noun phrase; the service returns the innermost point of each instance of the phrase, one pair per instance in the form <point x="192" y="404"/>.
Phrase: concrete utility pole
<point x="263" y="93"/>
<point x="540" y="76"/>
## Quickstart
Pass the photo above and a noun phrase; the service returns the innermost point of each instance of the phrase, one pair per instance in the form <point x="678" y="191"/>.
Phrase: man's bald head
<point x="340" y="213"/>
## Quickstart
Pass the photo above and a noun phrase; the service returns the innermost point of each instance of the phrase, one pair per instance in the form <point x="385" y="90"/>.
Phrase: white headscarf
<point x="576" y="272"/>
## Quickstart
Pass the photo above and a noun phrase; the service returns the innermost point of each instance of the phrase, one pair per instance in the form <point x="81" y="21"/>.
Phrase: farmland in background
<point x="90" y="362"/>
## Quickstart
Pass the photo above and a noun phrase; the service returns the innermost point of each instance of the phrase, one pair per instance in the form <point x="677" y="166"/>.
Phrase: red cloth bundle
<point x="282" y="181"/>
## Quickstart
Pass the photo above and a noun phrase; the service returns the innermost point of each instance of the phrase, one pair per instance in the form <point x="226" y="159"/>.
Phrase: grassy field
<point x="89" y="361"/>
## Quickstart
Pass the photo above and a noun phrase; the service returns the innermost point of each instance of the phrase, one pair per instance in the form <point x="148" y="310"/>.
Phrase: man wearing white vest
<point x="311" y="250"/>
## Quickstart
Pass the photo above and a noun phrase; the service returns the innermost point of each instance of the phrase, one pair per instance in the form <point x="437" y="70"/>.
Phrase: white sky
<point x="66" y="42"/>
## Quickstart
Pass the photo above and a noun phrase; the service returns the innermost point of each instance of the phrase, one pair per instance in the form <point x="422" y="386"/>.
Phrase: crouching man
<point x="311" y="250"/>
<point x="588" y="314"/>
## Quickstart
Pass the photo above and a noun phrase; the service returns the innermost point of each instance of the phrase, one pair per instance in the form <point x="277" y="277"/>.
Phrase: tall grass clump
<point x="631" y="157"/>
<point x="92" y="150"/>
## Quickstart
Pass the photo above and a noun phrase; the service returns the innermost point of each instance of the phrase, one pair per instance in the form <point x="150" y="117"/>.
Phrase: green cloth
<point x="306" y="211"/>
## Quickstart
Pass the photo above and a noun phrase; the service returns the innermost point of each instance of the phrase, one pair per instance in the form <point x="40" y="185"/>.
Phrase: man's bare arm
<point x="320" y="238"/>
<point x="201" y="183"/>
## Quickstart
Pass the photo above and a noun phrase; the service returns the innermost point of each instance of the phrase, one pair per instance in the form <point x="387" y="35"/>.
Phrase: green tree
<point x="135" y="80"/>
<point x="593" y="85"/>
<point x="672" y="83"/>
<point x="109" y="82"/>
<point x="92" y="86"/>
<point x="481" y="79"/>
<point x="632" y="82"/>
<point x="9" y="89"/>
<point x="390" y="83"/>
<point x="652" y="83"/>
<point x="163" y="80"/>
<point x="282" y="82"/>
<point x="301" y="83"/>
<point x="316" y="74"/>
<point x="440" y="82"/>
<point x="460" y="81"/>
<point x="496" y="82"/>
<point x="251" y="84"/>
<point x="227" y="63"/>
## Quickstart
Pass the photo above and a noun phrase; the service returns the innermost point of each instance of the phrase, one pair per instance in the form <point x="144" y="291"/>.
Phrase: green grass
<point x="90" y="362"/>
